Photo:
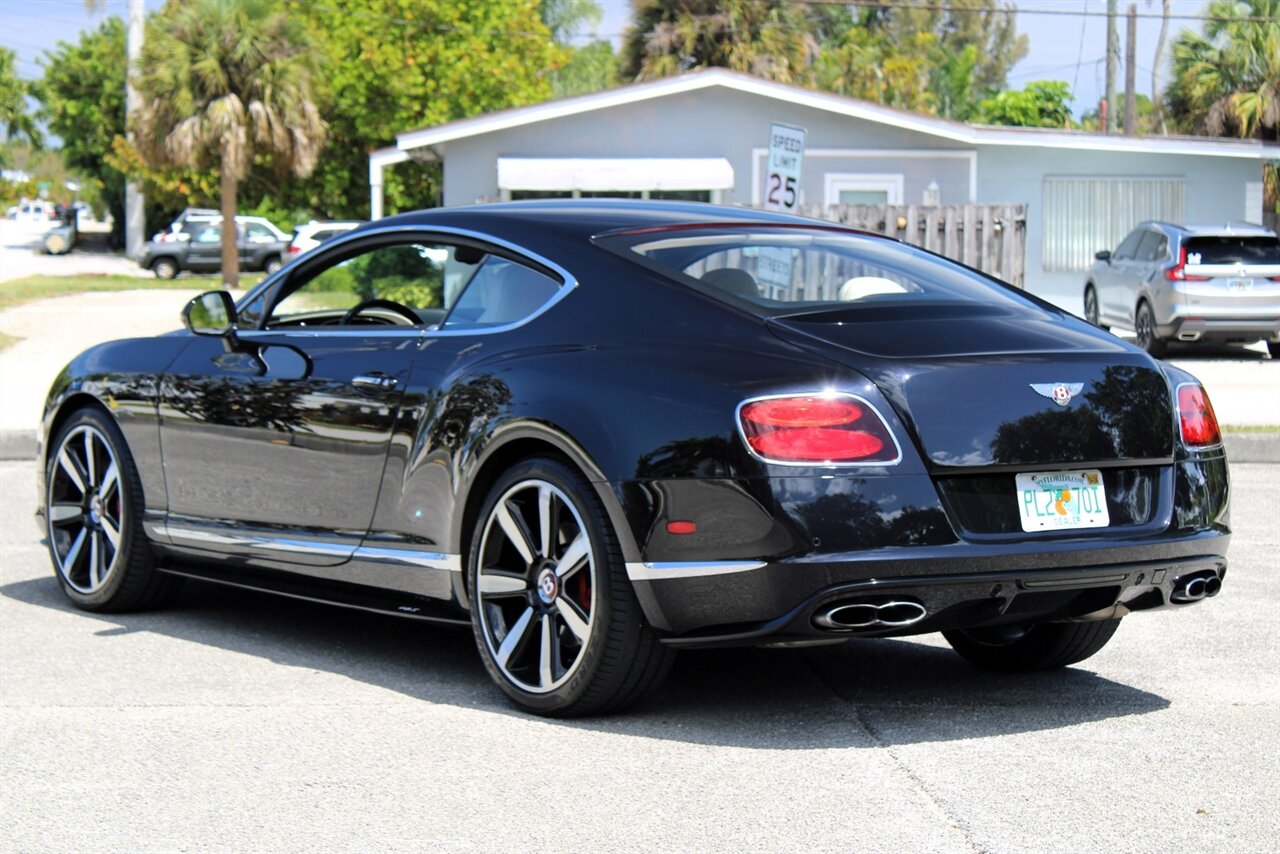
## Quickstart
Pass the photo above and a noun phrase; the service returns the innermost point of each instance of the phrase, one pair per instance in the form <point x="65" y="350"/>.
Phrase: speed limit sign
<point x="782" y="183"/>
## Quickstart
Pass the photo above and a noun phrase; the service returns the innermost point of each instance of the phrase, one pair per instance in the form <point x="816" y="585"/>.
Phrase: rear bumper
<point x="1195" y="327"/>
<point x="964" y="600"/>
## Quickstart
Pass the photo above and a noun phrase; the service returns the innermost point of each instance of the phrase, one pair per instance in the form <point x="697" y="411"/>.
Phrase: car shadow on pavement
<point x="868" y="693"/>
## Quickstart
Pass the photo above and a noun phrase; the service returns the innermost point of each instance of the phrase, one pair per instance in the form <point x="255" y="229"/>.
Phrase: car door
<point x="1114" y="297"/>
<point x="255" y="237"/>
<point x="204" y="248"/>
<point x="274" y="443"/>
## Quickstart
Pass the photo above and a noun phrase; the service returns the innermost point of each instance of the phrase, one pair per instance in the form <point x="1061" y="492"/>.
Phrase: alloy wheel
<point x="1091" y="306"/>
<point x="536" y="586"/>
<point x="85" y="510"/>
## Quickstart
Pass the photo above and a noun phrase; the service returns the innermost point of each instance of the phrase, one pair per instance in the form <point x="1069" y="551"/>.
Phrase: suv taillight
<point x="1177" y="273"/>
<point x="816" y="428"/>
<point x="1196" y="421"/>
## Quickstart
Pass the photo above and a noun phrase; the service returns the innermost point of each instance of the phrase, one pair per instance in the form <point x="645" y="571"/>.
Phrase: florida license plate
<point x="1054" y="500"/>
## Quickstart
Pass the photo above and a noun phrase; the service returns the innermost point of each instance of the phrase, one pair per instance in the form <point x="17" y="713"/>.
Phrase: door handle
<point x="375" y="381"/>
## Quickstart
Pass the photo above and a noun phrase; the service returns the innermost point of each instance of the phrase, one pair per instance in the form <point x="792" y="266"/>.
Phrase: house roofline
<point x="974" y="135"/>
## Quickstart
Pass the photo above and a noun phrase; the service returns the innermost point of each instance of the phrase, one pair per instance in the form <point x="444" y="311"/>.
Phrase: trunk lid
<point x="977" y="383"/>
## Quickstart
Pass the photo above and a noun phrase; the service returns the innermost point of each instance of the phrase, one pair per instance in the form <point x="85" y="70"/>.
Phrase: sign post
<point x="782" y="194"/>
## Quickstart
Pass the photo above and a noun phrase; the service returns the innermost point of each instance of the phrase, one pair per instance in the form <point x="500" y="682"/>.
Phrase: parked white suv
<point x="1210" y="283"/>
<point x="309" y="236"/>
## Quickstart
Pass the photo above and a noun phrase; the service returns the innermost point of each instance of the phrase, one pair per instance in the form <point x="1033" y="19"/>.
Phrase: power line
<point x="1084" y="21"/>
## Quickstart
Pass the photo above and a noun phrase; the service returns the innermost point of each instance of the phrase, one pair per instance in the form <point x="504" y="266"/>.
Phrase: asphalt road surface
<point x="238" y="721"/>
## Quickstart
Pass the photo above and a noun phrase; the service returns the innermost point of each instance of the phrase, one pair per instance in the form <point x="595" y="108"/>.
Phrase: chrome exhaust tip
<point x="894" y="614"/>
<point x="1196" y="588"/>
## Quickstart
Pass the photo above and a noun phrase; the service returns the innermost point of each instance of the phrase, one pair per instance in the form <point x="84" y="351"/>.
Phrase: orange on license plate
<point x="1055" y="500"/>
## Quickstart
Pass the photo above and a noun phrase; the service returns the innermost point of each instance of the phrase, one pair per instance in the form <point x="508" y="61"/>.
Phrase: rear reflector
<point x="682" y="526"/>
<point x="1196" y="421"/>
<point x="816" y="428"/>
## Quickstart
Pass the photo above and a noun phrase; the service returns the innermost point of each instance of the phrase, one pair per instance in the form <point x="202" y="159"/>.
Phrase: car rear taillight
<point x="1177" y="273"/>
<point x="1196" y="421"/>
<point x="816" y="428"/>
<point x="294" y="250"/>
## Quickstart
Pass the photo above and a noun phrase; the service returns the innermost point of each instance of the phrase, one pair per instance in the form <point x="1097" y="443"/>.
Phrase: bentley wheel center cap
<point x="95" y="509"/>
<point x="548" y="586"/>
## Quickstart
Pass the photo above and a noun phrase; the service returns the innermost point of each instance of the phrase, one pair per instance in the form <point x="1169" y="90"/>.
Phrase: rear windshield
<point x="1233" y="250"/>
<point x="779" y="271"/>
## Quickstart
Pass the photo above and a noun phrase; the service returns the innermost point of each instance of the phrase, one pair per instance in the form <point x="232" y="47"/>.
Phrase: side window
<point x="1151" y="247"/>
<point x="410" y="282"/>
<point x="208" y="234"/>
<point x="1129" y="246"/>
<point x="256" y="232"/>
<point x="501" y="292"/>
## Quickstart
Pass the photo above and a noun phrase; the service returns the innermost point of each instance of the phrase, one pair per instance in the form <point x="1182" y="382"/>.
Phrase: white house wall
<point x="711" y="123"/>
<point x="1215" y="191"/>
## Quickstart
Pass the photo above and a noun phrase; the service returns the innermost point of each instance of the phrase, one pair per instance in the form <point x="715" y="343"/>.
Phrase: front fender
<point x="123" y="379"/>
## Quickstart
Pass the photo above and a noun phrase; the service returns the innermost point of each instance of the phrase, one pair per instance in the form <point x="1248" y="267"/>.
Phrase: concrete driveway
<point x="237" y="721"/>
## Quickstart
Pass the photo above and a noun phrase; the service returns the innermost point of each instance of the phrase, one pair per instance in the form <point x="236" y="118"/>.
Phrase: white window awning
<point x="596" y="174"/>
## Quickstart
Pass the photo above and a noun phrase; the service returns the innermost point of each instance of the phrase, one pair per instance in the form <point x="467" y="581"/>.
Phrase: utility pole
<point x="135" y="217"/>
<point x="1130" y="70"/>
<point x="1113" y="57"/>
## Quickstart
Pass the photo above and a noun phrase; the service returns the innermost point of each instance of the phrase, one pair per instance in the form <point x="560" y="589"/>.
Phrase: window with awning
<point x="689" y="179"/>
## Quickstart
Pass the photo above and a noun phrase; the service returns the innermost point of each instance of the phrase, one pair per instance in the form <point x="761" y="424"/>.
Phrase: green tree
<point x="1041" y="104"/>
<point x="82" y="101"/>
<point x="942" y="59"/>
<point x="764" y="38"/>
<point x="393" y="65"/>
<point x="1226" y="80"/>
<point x="16" y="120"/>
<point x="220" y="81"/>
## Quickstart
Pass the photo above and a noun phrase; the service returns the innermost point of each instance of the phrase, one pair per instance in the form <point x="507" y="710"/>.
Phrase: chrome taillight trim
<point x="742" y="434"/>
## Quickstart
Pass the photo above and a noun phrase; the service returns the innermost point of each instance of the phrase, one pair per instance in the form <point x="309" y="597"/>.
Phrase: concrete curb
<point x="1241" y="447"/>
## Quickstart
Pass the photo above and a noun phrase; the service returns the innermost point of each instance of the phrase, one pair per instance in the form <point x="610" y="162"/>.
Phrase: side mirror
<point x="211" y="313"/>
<point x="1104" y="255"/>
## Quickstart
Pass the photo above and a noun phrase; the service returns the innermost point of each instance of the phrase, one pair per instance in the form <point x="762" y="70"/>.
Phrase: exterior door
<point x="284" y="438"/>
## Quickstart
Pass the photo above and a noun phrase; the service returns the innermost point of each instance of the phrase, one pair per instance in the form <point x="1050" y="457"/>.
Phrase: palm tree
<point x="1226" y="81"/>
<point x="15" y="119"/>
<point x="223" y="81"/>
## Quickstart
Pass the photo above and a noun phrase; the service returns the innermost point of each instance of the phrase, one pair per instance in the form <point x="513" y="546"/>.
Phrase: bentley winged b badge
<point x="1059" y="393"/>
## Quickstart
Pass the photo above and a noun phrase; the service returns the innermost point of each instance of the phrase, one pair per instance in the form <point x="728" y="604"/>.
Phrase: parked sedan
<point x="1216" y="284"/>
<point x="597" y="432"/>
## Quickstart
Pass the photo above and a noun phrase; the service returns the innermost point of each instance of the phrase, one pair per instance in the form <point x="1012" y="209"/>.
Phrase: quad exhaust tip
<point x="893" y="614"/>
<point x="1196" y="587"/>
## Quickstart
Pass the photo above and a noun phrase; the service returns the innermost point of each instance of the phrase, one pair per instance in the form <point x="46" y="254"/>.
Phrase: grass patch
<point x="31" y="288"/>
<point x="7" y="341"/>
<point x="1250" y="428"/>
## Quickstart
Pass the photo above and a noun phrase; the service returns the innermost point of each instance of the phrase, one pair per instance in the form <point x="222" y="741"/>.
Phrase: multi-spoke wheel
<point x="91" y="509"/>
<point x="1091" y="313"/>
<point x="1144" y="322"/>
<point x="554" y="615"/>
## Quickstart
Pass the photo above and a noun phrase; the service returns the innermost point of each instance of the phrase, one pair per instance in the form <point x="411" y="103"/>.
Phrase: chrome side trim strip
<point x="275" y="544"/>
<point x="688" y="569"/>
<point x="409" y="557"/>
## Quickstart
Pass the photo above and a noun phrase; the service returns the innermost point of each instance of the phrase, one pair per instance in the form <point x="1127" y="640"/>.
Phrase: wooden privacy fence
<point x="992" y="238"/>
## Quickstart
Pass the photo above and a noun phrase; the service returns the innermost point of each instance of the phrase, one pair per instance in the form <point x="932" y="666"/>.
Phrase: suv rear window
<point x="1233" y="250"/>
<point x="785" y="270"/>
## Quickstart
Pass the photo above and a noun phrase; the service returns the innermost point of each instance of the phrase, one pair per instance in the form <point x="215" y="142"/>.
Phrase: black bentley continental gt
<point x="597" y="432"/>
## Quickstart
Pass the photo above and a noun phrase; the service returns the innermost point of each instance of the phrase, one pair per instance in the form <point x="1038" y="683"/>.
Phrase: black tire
<point x="1091" y="308"/>
<point x="1145" y="325"/>
<point x="1273" y="347"/>
<point x="164" y="268"/>
<point x="89" y="502"/>
<point x="590" y="615"/>
<point x="272" y="265"/>
<point x="1044" y="646"/>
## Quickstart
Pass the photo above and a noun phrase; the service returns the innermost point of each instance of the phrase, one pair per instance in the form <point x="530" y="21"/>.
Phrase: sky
<point x="1065" y="45"/>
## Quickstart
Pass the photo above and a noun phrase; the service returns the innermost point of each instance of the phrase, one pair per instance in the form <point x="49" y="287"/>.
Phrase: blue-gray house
<point x="703" y="136"/>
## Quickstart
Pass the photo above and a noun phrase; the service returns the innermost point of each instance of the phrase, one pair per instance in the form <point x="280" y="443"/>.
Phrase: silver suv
<point x="1167" y="282"/>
